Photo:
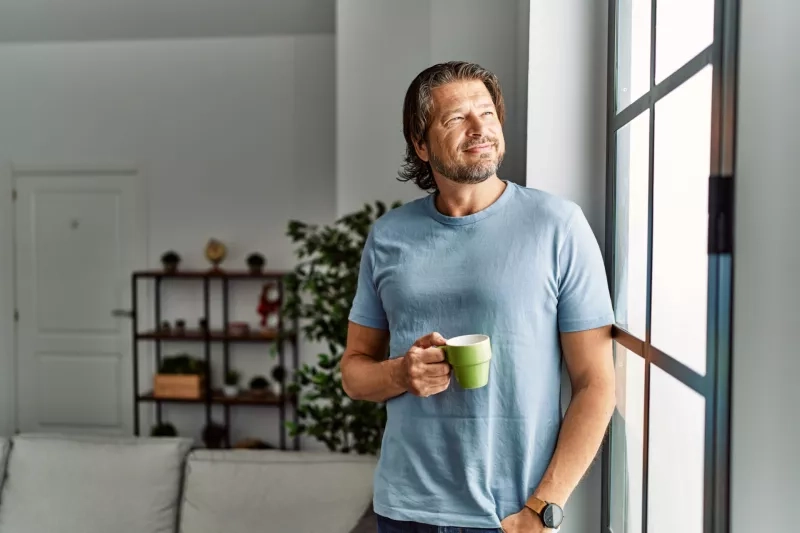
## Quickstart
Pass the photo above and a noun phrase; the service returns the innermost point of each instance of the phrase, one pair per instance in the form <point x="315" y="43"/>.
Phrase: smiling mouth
<point x="478" y="148"/>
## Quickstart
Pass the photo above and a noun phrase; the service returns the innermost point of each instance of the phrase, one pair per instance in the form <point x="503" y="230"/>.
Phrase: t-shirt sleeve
<point x="583" y="295"/>
<point x="367" y="309"/>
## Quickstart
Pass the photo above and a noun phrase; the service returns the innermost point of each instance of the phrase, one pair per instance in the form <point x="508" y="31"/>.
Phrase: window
<point x="670" y="170"/>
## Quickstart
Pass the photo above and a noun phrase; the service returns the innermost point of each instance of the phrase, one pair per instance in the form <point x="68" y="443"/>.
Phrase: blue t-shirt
<point x="522" y="270"/>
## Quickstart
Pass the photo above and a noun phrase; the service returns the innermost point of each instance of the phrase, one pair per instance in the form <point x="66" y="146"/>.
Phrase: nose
<point x="477" y="127"/>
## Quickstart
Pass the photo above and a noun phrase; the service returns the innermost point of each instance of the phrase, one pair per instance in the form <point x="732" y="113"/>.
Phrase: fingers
<point x="428" y="379"/>
<point x="431" y="339"/>
<point x="430" y="387"/>
<point x="437" y="370"/>
<point x="427" y="370"/>
<point x="432" y="355"/>
<point x="424" y="370"/>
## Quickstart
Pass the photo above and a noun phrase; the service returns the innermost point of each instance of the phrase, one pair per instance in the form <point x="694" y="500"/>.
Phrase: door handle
<point x="122" y="313"/>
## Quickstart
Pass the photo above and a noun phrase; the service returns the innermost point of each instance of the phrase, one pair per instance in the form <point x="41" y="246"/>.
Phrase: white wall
<point x="765" y="424"/>
<point x="381" y="45"/>
<point x="104" y="20"/>
<point x="567" y="103"/>
<point x="233" y="135"/>
<point x="566" y="147"/>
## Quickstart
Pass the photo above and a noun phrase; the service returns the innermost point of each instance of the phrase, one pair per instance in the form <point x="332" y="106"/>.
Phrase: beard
<point x="468" y="173"/>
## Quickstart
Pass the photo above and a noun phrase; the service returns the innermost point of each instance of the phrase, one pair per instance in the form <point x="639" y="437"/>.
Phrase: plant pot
<point x="256" y="263"/>
<point x="230" y="391"/>
<point x="276" y="389"/>
<point x="170" y="267"/>
<point x="259" y="392"/>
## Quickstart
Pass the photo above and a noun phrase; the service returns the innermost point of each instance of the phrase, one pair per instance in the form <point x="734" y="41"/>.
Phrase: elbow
<point x="608" y="398"/>
<point x="347" y="382"/>
<point x="603" y="395"/>
<point x="348" y="390"/>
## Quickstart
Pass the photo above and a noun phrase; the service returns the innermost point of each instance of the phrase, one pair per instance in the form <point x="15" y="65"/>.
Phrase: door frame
<point x="10" y="173"/>
<point x="8" y="334"/>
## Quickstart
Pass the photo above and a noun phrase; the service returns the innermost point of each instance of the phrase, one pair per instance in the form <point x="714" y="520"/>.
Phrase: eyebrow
<point x="455" y="110"/>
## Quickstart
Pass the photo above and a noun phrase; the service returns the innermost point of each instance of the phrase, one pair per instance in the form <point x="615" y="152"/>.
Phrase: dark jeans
<point x="387" y="525"/>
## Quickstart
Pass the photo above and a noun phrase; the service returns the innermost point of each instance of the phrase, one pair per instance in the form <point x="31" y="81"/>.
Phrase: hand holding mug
<point x="425" y="371"/>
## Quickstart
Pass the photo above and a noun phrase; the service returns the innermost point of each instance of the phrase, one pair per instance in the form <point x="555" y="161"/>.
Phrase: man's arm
<point x="368" y="375"/>
<point x="589" y="361"/>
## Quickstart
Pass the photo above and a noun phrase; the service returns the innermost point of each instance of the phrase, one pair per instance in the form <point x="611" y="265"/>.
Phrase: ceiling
<point x="91" y="20"/>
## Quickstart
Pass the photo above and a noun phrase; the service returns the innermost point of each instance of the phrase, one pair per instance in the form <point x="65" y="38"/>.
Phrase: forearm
<point x="364" y="378"/>
<point x="580" y="438"/>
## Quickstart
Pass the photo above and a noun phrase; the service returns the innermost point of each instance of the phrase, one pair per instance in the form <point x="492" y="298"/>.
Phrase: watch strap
<point x="536" y="505"/>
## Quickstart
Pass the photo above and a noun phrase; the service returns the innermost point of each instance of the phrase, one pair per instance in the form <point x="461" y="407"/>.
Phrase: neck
<point x="459" y="200"/>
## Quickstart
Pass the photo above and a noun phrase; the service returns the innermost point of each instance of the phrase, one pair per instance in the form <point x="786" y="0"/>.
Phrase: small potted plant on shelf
<point x="180" y="376"/>
<point x="231" y="388"/>
<point x="278" y="377"/>
<point x="259" y="386"/>
<point x="170" y="260"/>
<point x="164" y="429"/>
<point x="180" y="327"/>
<point x="256" y="262"/>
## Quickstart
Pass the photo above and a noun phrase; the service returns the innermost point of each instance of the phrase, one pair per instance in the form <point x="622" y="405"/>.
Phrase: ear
<point x="421" y="148"/>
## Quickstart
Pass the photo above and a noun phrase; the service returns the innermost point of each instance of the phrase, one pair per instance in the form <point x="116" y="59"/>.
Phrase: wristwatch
<point x="550" y="513"/>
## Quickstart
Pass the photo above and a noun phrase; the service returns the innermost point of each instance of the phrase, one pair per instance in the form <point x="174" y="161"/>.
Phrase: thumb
<point x="431" y="339"/>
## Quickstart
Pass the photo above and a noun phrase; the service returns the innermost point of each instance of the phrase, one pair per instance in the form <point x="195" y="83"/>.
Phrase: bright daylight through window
<point x="664" y="146"/>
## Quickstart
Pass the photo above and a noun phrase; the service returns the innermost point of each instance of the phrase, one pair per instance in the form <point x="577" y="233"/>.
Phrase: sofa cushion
<point x="271" y="491"/>
<point x="74" y="484"/>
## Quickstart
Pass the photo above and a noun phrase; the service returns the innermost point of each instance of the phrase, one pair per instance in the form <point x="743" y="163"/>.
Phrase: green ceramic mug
<point x="470" y="357"/>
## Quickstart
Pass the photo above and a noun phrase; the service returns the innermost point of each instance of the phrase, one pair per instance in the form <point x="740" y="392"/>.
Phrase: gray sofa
<point x="72" y="484"/>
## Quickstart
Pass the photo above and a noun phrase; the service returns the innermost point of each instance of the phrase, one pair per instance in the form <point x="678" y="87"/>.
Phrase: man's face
<point x="465" y="141"/>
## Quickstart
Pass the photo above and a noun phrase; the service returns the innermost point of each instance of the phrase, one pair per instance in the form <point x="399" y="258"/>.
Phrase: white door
<point x="78" y="237"/>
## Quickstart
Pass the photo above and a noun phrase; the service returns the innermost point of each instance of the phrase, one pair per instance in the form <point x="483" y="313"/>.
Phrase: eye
<point x="454" y="119"/>
<point x="488" y="113"/>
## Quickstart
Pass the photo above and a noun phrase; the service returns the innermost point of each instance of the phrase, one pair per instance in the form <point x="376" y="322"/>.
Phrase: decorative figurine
<point x="215" y="252"/>
<point x="268" y="304"/>
<point x="262" y="306"/>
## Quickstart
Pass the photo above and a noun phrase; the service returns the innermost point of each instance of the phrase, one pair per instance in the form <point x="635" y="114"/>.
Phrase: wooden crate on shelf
<point x="184" y="386"/>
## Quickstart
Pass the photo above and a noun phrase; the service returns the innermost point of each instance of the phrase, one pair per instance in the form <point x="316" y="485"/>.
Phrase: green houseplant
<point x="320" y="292"/>
<point x="231" y="387"/>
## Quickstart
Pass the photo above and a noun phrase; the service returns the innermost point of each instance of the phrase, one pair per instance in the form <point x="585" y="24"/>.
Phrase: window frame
<point x="714" y="385"/>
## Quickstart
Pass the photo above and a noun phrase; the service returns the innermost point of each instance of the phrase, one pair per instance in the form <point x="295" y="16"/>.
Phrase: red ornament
<point x="265" y="307"/>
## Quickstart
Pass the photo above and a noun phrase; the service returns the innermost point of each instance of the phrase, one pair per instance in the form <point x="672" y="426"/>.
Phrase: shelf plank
<point x="212" y="274"/>
<point x="220" y="399"/>
<point x="197" y="335"/>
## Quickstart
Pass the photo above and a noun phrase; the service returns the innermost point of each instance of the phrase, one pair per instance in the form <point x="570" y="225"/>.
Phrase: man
<point x="478" y="256"/>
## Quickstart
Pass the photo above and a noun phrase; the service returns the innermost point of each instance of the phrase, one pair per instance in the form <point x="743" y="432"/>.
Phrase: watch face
<point x="552" y="516"/>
